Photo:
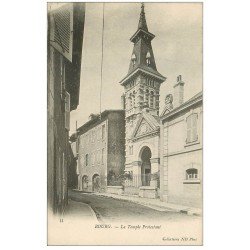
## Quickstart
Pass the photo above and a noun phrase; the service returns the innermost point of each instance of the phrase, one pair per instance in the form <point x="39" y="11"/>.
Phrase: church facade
<point x="163" y="152"/>
<point x="142" y="90"/>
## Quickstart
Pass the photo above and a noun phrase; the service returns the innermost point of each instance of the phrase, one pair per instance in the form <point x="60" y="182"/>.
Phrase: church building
<point x="142" y="90"/>
<point x="163" y="153"/>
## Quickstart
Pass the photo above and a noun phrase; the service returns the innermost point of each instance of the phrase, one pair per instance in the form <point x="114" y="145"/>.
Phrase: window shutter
<point x="189" y="129"/>
<point x="194" y="127"/>
<point x="61" y="30"/>
<point x="67" y="110"/>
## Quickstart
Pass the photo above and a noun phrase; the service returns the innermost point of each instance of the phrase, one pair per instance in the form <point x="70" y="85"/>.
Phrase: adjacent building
<point x="101" y="150"/>
<point x="181" y="149"/>
<point x="65" y="37"/>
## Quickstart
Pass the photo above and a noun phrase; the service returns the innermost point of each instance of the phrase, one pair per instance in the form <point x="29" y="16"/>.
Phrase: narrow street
<point x="110" y="210"/>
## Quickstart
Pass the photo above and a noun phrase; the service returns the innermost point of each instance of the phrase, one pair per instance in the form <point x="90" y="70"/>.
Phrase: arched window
<point x="151" y="104"/>
<point x="191" y="174"/>
<point x="130" y="101"/>
<point x="148" y="57"/>
<point x="133" y="58"/>
<point x="86" y="159"/>
<point x="147" y="95"/>
<point x="134" y="98"/>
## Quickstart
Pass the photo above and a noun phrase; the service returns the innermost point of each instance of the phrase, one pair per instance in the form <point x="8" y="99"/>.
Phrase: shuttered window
<point x="192" y="128"/>
<point x="67" y="110"/>
<point x="61" y="30"/>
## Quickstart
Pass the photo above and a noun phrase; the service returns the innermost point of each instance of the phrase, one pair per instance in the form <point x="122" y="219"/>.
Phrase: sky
<point x="177" y="49"/>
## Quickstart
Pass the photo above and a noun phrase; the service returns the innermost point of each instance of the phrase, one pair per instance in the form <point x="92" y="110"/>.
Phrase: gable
<point x="143" y="128"/>
<point x="146" y="125"/>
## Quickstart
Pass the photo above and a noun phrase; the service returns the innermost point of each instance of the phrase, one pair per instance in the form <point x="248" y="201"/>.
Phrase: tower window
<point x="130" y="101"/>
<point x="133" y="58"/>
<point x="134" y="98"/>
<point x="148" y="57"/>
<point x="86" y="159"/>
<point x="147" y="95"/>
<point x="151" y="99"/>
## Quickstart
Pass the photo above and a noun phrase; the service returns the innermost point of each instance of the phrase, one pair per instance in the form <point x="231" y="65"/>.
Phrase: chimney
<point x="178" y="92"/>
<point x="92" y="116"/>
<point x="123" y="101"/>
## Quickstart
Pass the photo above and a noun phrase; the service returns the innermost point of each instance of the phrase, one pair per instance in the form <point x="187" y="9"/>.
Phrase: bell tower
<point x="142" y="82"/>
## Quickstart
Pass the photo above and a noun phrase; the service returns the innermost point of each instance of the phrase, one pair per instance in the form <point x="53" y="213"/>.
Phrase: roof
<point x="142" y="21"/>
<point x="144" y="69"/>
<point x="189" y="103"/>
<point x="73" y="85"/>
<point x="98" y="119"/>
<point x="152" y="120"/>
<point x="142" y="60"/>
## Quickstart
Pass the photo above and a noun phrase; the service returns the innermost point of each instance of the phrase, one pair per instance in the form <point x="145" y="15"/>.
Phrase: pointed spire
<point x="142" y="22"/>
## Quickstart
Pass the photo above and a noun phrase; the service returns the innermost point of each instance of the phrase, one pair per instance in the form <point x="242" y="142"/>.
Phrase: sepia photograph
<point x="124" y="123"/>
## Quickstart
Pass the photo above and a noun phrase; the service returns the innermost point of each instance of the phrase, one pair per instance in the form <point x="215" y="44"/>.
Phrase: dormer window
<point x="148" y="57"/>
<point x="133" y="58"/>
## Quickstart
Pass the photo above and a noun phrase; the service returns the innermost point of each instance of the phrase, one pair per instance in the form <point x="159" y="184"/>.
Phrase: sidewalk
<point x="155" y="204"/>
<point x="76" y="210"/>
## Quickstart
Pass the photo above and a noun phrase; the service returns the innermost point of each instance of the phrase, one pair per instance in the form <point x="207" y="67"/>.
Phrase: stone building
<point x="65" y="36"/>
<point x="142" y="90"/>
<point x="181" y="148"/>
<point x="163" y="153"/>
<point x="101" y="150"/>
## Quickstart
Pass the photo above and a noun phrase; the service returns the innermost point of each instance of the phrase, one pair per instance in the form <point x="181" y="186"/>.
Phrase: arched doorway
<point x="145" y="166"/>
<point x="96" y="183"/>
<point x="84" y="182"/>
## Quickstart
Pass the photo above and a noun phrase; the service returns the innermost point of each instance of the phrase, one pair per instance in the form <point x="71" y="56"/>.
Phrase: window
<point x="191" y="174"/>
<point x="151" y="99"/>
<point x="133" y="58"/>
<point x="93" y="158"/>
<point x="192" y="128"/>
<point x="146" y="95"/>
<point x="61" y="27"/>
<point x="134" y="98"/>
<point x="130" y="101"/>
<point x="103" y="131"/>
<point x="103" y="155"/>
<point x="148" y="58"/>
<point x="86" y="159"/>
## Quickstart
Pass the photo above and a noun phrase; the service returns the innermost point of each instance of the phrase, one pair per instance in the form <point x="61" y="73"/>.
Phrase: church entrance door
<point x="146" y="166"/>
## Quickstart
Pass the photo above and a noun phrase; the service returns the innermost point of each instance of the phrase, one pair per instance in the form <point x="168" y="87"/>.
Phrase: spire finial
<point x="142" y="21"/>
<point x="142" y="7"/>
